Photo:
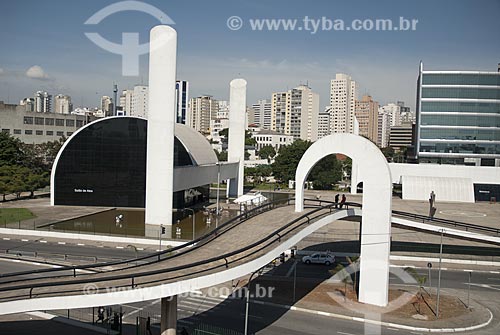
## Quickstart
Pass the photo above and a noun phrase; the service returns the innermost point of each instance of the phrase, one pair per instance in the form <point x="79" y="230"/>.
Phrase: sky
<point x="44" y="47"/>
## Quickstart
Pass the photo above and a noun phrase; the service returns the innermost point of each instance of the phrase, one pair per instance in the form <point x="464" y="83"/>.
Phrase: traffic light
<point x="292" y="253"/>
<point x="282" y="258"/>
<point x="162" y="230"/>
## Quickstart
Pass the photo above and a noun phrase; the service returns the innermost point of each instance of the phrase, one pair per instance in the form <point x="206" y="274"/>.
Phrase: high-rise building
<point x="384" y="128"/>
<point x="262" y="113"/>
<point x="401" y="137"/>
<point x="366" y="112"/>
<point x="458" y="117"/>
<point x="62" y="104"/>
<point x="342" y="104"/>
<point x="126" y="101"/>
<point x="182" y="100"/>
<point x="202" y="110"/>
<point x="140" y="99"/>
<point x="107" y="105"/>
<point x="324" y="123"/>
<point x="394" y="111"/>
<point x="295" y="113"/>
<point x="43" y="102"/>
<point x="28" y="104"/>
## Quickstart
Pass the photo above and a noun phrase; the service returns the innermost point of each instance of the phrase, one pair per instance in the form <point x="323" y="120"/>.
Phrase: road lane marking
<point x="24" y="240"/>
<point x="42" y="241"/>
<point x="80" y="244"/>
<point x="119" y="247"/>
<point x="291" y="269"/>
<point x="61" y="242"/>
<point x="138" y="309"/>
<point x="6" y="239"/>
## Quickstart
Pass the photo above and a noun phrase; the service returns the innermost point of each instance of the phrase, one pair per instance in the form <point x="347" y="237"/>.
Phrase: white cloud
<point x="36" y="72"/>
<point x="2" y="71"/>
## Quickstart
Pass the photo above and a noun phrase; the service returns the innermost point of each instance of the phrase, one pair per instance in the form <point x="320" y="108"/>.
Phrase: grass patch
<point x="8" y="215"/>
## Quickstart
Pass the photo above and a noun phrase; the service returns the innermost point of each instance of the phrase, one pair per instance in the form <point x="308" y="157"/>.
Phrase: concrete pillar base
<point x="169" y="315"/>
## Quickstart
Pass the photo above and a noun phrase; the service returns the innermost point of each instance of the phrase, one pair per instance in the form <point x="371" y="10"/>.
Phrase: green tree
<point x="6" y="176"/>
<point x="326" y="173"/>
<point x="286" y="162"/>
<point x="10" y="150"/>
<point x="221" y="156"/>
<point x="421" y="280"/>
<point x="267" y="152"/>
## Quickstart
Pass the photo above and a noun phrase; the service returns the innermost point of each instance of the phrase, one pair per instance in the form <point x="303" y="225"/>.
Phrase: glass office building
<point x="458" y="117"/>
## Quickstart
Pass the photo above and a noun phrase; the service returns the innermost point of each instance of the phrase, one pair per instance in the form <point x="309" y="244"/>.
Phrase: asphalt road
<point x="229" y="313"/>
<point x="76" y="252"/>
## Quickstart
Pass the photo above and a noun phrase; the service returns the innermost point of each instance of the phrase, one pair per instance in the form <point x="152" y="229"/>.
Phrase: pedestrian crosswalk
<point x="196" y="307"/>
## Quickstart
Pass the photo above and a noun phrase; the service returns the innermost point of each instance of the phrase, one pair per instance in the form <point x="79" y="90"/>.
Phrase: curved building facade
<point x="104" y="164"/>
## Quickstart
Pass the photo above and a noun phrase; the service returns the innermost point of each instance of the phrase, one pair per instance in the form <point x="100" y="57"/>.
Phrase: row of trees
<point x="324" y="175"/>
<point x="25" y="167"/>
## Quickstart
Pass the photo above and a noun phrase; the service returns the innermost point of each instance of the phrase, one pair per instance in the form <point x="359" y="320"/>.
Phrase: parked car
<point x="319" y="258"/>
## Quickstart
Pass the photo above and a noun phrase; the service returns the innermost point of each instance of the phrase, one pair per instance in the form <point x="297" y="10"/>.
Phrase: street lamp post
<point x="439" y="273"/>
<point x="248" y="302"/>
<point x="294" y="279"/>
<point x="468" y="290"/>
<point x="218" y="197"/>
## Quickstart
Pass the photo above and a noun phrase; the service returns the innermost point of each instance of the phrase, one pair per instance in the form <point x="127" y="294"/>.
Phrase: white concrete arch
<point x="377" y="207"/>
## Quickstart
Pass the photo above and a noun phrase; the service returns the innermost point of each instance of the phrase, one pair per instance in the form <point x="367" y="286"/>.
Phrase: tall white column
<point x="161" y="122"/>
<point x="354" y="177"/>
<point x="168" y="324"/>
<point x="236" y="145"/>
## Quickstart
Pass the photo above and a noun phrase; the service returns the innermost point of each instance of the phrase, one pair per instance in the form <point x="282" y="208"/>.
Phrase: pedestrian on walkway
<point x="100" y="314"/>
<point x="148" y="326"/>
<point x="337" y="201"/>
<point x="342" y="202"/>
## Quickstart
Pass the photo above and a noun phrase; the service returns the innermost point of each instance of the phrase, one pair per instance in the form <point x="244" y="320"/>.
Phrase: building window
<point x="49" y="122"/>
<point x="49" y="133"/>
<point x="17" y="131"/>
<point x="6" y="131"/>
<point x="60" y="133"/>
<point x="70" y="123"/>
<point x="28" y="132"/>
<point x="28" y="120"/>
<point x="60" y="122"/>
<point x="39" y="132"/>
<point x="39" y="121"/>
<point x="79" y="123"/>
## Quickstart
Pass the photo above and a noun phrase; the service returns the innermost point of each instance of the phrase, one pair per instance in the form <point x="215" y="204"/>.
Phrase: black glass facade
<point x="105" y="165"/>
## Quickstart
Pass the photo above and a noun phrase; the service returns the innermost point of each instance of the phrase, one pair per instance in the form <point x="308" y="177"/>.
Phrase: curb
<point x="379" y="323"/>
<point x="88" y="237"/>
<point x="70" y="322"/>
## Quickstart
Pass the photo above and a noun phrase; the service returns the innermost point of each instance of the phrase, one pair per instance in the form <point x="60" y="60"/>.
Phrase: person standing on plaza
<point x="342" y="202"/>
<point x="337" y="200"/>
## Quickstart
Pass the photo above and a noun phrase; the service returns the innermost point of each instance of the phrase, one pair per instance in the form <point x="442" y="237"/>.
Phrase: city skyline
<point x="385" y="64"/>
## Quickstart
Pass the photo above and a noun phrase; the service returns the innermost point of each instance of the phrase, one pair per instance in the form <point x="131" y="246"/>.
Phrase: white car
<point x="319" y="258"/>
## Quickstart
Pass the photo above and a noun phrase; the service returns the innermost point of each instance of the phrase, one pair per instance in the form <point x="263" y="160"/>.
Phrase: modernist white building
<point x="273" y="138"/>
<point x="342" y="104"/>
